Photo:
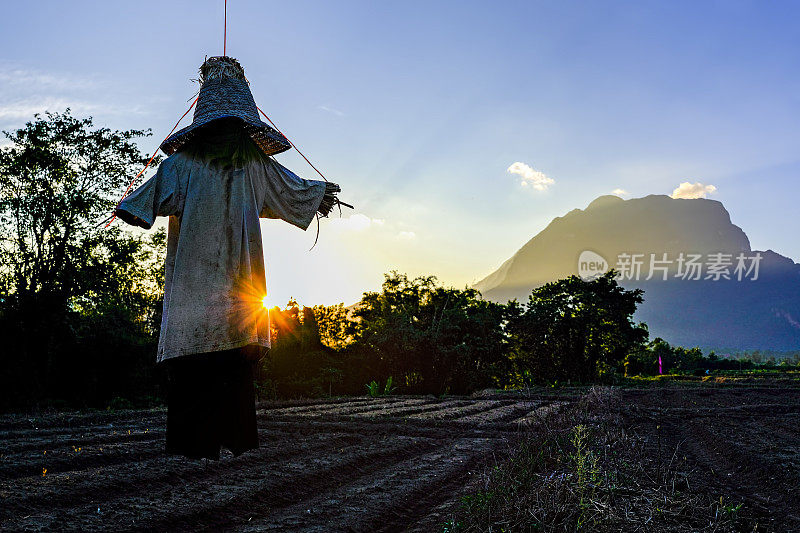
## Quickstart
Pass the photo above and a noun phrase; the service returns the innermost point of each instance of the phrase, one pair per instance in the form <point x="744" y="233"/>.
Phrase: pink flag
<point x="659" y="366"/>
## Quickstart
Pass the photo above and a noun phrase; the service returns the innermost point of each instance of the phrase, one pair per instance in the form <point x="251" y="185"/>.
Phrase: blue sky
<point x="419" y="108"/>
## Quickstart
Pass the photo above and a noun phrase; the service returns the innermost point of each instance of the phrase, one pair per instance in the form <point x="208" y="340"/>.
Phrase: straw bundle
<point x="329" y="200"/>
<point x="218" y="67"/>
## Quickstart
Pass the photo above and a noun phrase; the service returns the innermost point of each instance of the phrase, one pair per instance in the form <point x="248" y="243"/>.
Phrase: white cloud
<point x="620" y="192"/>
<point x="331" y="110"/>
<point x="26" y="108"/>
<point x="406" y="235"/>
<point x="25" y="92"/>
<point x="355" y="222"/>
<point x="693" y="190"/>
<point x="38" y="80"/>
<point x="530" y="177"/>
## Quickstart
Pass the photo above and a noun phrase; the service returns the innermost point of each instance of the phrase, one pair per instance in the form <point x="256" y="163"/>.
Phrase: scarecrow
<point x="219" y="178"/>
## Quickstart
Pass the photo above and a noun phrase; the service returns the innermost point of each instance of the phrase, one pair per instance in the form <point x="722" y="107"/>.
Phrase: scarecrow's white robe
<point x="214" y="280"/>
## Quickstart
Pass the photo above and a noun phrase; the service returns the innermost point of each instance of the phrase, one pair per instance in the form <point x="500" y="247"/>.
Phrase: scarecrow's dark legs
<point x="238" y="420"/>
<point x="211" y="403"/>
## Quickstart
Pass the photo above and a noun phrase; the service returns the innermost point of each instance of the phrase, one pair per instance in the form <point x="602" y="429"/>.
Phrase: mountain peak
<point x="654" y="226"/>
<point x="601" y="202"/>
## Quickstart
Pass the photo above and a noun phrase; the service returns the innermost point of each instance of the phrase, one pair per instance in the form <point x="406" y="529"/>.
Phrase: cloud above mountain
<point x="530" y="177"/>
<point x="693" y="190"/>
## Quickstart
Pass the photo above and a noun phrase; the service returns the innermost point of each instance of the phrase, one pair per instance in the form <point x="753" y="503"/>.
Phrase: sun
<point x="264" y="302"/>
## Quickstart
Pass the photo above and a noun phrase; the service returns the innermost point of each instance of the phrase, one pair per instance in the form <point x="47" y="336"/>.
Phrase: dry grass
<point x="221" y="67"/>
<point x="578" y="468"/>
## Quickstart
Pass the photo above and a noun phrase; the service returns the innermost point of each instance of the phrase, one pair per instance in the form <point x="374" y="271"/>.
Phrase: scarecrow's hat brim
<point x="228" y="97"/>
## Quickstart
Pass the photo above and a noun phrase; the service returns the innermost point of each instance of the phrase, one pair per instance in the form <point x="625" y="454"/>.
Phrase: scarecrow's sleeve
<point x="290" y="197"/>
<point x="158" y="196"/>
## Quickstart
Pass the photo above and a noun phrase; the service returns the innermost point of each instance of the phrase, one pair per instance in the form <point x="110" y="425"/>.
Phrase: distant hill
<point x="723" y="314"/>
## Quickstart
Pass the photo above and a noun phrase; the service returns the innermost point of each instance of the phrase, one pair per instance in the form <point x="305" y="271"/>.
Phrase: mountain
<point x="706" y="286"/>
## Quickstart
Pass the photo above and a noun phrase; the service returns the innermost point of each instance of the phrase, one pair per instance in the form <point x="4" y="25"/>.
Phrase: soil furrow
<point x="13" y="426"/>
<point x="538" y="412"/>
<point x="154" y="476"/>
<point x="82" y="440"/>
<point x="383" y="501"/>
<point x="355" y="410"/>
<point x="289" y="404"/>
<point x="326" y="407"/>
<point x="455" y="412"/>
<point x="499" y="415"/>
<point x="409" y="411"/>
<point x="439" y="429"/>
<point x="272" y="487"/>
<point x="64" y="461"/>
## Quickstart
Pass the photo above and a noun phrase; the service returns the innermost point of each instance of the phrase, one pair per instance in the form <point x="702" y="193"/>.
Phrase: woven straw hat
<point x="225" y="93"/>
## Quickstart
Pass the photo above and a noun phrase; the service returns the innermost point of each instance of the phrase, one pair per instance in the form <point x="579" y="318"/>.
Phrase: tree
<point x="60" y="270"/>
<point x="430" y="338"/>
<point x="58" y="179"/>
<point x="573" y="329"/>
<point x="333" y="322"/>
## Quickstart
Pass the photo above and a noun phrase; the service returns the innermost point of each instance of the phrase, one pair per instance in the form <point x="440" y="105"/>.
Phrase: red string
<point x="225" y="32"/>
<point x="148" y="164"/>
<point x="290" y="142"/>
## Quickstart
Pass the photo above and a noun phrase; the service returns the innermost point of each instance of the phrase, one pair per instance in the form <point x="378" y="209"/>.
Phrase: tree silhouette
<point x="430" y="338"/>
<point x="573" y="329"/>
<point x="64" y="279"/>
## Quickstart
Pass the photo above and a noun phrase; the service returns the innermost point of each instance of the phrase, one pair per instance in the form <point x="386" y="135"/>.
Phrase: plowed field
<point x="362" y="464"/>
<point x="359" y="464"/>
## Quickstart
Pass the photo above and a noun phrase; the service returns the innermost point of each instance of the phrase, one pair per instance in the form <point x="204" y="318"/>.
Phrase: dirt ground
<point x="742" y="443"/>
<point x="361" y="464"/>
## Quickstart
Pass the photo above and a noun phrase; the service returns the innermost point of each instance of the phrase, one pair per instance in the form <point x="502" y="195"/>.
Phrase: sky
<point x="457" y="129"/>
